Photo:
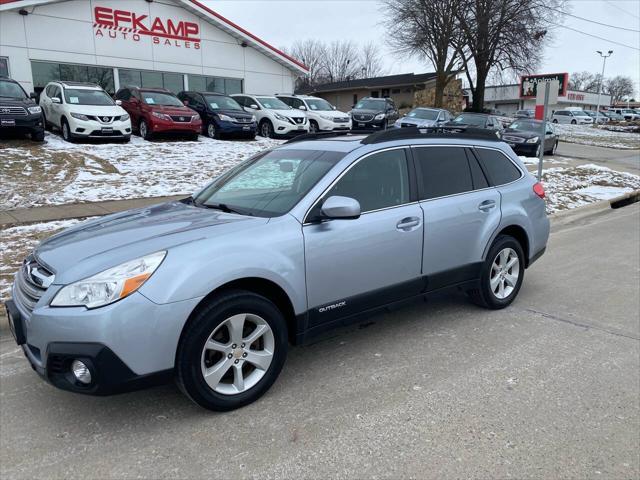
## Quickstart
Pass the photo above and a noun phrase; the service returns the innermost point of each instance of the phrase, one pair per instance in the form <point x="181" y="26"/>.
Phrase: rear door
<point x="357" y="264"/>
<point x="461" y="212"/>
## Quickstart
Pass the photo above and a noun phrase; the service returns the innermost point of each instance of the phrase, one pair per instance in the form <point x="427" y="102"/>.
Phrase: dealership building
<point x="174" y="44"/>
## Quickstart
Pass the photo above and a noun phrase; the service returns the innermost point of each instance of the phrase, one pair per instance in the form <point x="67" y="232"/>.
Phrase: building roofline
<point x="221" y="21"/>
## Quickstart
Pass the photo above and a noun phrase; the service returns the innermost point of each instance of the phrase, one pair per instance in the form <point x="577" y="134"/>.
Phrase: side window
<point x="56" y="92"/>
<point x="49" y="90"/>
<point x="443" y="171"/>
<point x="379" y="181"/>
<point x="498" y="166"/>
<point x="286" y="100"/>
<point x="477" y="175"/>
<point x="296" y="103"/>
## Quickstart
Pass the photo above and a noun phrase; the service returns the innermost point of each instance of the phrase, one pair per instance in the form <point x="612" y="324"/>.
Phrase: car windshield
<point x="525" y="112"/>
<point x="468" y="119"/>
<point x="423" y="113"/>
<point x="370" y="105"/>
<point x="219" y="102"/>
<point x="526" y="125"/>
<point x="579" y="113"/>
<point x="318" y="104"/>
<point x="269" y="184"/>
<point x="273" y="103"/>
<point x="87" y="97"/>
<point x="11" y="90"/>
<point x="160" y="98"/>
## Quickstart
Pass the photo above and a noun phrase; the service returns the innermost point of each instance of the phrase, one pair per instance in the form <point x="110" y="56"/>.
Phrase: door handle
<point x="408" y="223"/>
<point x="487" y="205"/>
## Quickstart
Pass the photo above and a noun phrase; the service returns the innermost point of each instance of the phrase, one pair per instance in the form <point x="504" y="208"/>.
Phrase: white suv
<point x="322" y="115"/>
<point x="275" y="118"/>
<point x="83" y="110"/>
<point x="574" y="117"/>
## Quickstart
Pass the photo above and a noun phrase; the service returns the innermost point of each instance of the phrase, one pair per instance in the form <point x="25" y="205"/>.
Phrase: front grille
<point x="31" y="281"/>
<point x="298" y="120"/>
<point x="9" y="110"/>
<point x="100" y="133"/>
<point x="340" y="120"/>
<point x="56" y="364"/>
<point x="404" y="125"/>
<point x="363" y="118"/>
<point x="243" y="119"/>
<point x="181" y="118"/>
<point x="512" y="139"/>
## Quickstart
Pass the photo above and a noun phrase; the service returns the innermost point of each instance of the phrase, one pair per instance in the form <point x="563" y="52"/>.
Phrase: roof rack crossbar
<point x="324" y="135"/>
<point x="422" y="132"/>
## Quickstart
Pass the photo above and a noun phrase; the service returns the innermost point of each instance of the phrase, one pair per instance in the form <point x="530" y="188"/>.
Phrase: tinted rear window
<point x="499" y="168"/>
<point x="445" y="171"/>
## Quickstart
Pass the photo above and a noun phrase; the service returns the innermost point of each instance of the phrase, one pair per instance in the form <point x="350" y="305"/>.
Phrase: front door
<point x="354" y="265"/>
<point x="461" y="212"/>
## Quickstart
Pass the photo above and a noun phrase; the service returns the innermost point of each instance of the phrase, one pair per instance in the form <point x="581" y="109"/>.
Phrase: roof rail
<point x="443" y="131"/>
<point x="324" y="135"/>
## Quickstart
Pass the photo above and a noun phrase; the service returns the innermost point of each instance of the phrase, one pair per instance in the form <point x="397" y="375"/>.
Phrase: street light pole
<point x="604" y="62"/>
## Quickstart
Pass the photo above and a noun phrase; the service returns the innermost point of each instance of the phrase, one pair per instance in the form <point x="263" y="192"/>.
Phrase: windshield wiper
<point x="223" y="207"/>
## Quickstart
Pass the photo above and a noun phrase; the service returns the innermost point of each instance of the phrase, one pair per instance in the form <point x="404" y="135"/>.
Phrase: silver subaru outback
<point x="319" y="232"/>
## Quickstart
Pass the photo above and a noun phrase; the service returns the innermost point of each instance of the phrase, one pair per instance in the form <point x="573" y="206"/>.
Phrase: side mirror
<point x="185" y="103"/>
<point x="302" y="107"/>
<point x="33" y="95"/>
<point x="337" y="207"/>
<point x="334" y="107"/>
<point x="253" y="106"/>
<point x="119" y="102"/>
<point x="55" y="100"/>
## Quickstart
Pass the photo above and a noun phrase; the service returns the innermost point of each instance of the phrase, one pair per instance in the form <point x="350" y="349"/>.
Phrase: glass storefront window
<point x="45" y="72"/>
<point x="215" y="84"/>
<point x="152" y="80"/>
<point x="173" y="82"/>
<point x="4" y="66"/>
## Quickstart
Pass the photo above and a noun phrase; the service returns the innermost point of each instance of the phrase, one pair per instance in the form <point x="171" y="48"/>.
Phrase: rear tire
<point x="47" y="126"/>
<point x="573" y="122"/>
<point x="233" y="354"/>
<point x="501" y="274"/>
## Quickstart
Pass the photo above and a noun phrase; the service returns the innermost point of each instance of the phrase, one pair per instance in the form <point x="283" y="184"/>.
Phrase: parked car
<point x="275" y="118"/>
<point x="476" y="120"/>
<point x="523" y="135"/>
<point x="321" y="114"/>
<point x="613" y="116"/>
<point x="527" y="113"/>
<point x="83" y="111"/>
<point x="423" y="117"/>
<point x="158" y="111"/>
<point x="574" y="117"/>
<point x="627" y="113"/>
<point x="290" y="243"/>
<point x="19" y="113"/>
<point x="597" y="118"/>
<point x="221" y="115"/>
<point x="374" y="113"/>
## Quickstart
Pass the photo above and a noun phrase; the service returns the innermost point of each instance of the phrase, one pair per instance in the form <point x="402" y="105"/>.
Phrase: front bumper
<point x="283" y="128"/>
<point x="126" y="345"/>
<point x="22" y="123"/>
<point x="93" y="129"/>
<point x="370" y="125"/>
<point x="329" y="125"/>
<point x="159" y="125"/>
<point x="234" y="128"/>
<point x="524" y="149"/>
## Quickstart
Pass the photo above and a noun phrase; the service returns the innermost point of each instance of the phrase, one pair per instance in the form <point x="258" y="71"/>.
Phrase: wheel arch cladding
<point x="520" y="235"/>
<point x="260" y="286"/>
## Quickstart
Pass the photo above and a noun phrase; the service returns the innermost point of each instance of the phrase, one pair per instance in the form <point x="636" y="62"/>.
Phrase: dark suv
<point x="374" y="113"/>
<point x="221" y="115"/>
<point x="19" y="113"/>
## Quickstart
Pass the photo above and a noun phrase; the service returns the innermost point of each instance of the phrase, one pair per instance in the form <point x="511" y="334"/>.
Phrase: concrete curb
<point x="558" y="221"/>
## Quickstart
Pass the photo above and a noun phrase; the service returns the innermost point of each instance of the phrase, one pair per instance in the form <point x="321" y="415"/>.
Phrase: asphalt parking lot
<point x="548" y="388"/>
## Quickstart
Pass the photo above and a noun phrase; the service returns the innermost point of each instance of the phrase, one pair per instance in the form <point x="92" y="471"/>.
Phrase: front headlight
<point x="111" y="285"/>
<point x="34" y="110"/>
<point x="195" y="117"/>
<point x="124" y="118"/>
<point x="281" y="117"/>
<point x="79" y="116"/>
<point x="161" y="116"/>
<point x="226" y="118"/>
<point x="326" y="117"/>
<point x="532" y="140"/>
<point x="380" y="116"/>
<point x="253" y="118"/>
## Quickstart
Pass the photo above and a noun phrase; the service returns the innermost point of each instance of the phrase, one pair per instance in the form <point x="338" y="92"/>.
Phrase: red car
<point x="156" y="110"/>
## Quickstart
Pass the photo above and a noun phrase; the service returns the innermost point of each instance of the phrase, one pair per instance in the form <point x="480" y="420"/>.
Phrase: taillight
<point x="538" y="189"/>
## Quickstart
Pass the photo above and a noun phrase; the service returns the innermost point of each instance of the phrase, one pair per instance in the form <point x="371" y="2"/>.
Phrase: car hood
<point x="365" y="112"/>
<point x="233" y="113"/>
<point x="520" y="133"/>
<point x="17" y="102"/>
<point x="293" y="113"/>
<point x="96" y="245"/>
<point x="171" y="110"/>
<point x="98" y="110"/>
<point x="421" y="122"/>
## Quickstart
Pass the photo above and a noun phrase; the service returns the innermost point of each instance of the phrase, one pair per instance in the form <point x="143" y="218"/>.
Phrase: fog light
<point x="81" y="372"/>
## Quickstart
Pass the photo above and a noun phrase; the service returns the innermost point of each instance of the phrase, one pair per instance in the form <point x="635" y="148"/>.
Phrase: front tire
<point x="502" y="274"/>
<point x="38" y="136"/>
<point x="231" y="351"/>
<point x="266" y="129"/>
<point x="212" y="131"/>
<point x="144" y="130"/>
<point x="313" y="126"/>
<point x="573" y="122"/>
<point x="66" y="131"/>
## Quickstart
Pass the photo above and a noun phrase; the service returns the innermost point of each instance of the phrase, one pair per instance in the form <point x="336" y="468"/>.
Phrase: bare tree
<point x="503" y="34"/>
<point x="370" y="63"/>
<point x="619" y="87"/>
<point x="340" y="61"/>
<point x="311" y="52"/>
<point x="579" y="80"/>
<point x="428" y="29"/>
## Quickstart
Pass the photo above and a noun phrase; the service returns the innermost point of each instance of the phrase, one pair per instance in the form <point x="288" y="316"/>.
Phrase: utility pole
<point x="604" y="61"/>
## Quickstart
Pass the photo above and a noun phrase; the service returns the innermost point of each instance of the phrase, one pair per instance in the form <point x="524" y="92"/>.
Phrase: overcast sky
<point x="280" y="22"/>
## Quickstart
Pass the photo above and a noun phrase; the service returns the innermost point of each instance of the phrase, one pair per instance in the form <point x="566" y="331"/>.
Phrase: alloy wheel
<point x="143" y="129"/>
<point x="65" y="131"/>
<point x="505" y="272"/>
<point x="211" y="130"/>
<point x="313" y="128"/>
<point x="265" y="130"/>
<point x="237" y="354"/>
